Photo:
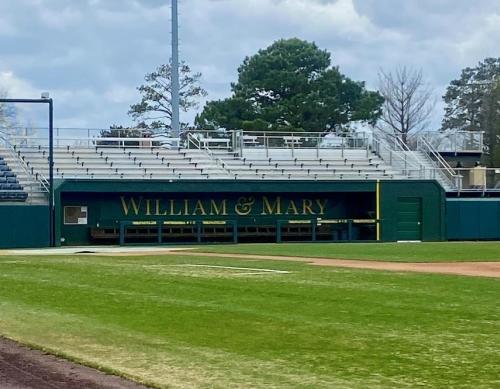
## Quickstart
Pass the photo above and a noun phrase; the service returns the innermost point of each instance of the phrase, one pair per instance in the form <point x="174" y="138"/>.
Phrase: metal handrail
<point x="402" y="146"/>
<point x="43" y="181"/>
<point x="453" y="178"/>
<point x="195" y="140"/>
<point x="380" y="146"/>
<point x="219" y="163"/>
<point x="455" y="141"/>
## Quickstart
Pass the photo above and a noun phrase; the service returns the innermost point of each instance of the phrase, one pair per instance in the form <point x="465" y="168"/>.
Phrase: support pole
<point x="175" y="70"/>
<point x="160" y="232"/>
<point x="122" y="233"/>
<point x="50" y="102"/>
<point x="235" y="231"/>
<point x="51" y="175"/>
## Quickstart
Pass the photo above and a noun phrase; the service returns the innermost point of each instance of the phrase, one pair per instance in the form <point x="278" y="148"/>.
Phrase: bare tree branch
<point x="409" y="101"/>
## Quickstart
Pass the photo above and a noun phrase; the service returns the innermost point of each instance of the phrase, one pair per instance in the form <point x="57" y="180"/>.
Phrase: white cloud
<point x="92" y="54"/>
<point x="17" y="87"/>
<point x="121" y="94"/>
<point x="59" y="18"/>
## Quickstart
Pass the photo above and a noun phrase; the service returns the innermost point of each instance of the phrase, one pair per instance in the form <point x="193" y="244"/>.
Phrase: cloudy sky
<point x="92" y="54"/>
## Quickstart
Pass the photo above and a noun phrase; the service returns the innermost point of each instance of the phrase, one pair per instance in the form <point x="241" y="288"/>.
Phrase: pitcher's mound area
<point x="23" y="368"/>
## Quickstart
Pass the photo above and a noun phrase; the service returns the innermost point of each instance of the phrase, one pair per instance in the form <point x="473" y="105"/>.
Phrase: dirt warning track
<point x="475" y="269"/>
<point x="23" y="368"/>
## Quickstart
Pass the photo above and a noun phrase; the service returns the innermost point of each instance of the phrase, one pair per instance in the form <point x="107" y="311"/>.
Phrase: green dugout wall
<point x="24" y="226"/>
<point x="473" y="219"/>
<point x="410" y="209"/>
<point x="88" y="210"/>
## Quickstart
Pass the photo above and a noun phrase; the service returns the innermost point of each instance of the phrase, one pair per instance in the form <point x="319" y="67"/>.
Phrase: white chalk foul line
<point x="252" y="270"/>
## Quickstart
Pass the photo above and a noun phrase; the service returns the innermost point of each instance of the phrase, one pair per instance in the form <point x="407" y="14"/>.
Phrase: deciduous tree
<point x="8" y="114"/>
<point x="408" y="102"/>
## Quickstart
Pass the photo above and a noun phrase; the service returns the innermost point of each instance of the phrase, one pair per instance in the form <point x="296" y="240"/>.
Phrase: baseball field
<point x="236" y="320"/>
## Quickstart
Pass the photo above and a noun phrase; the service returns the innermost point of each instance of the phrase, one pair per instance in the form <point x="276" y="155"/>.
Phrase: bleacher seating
<point x="121" y="163"/>
<point x="234" y="155"/>
<point x="306" y="164"/>
<point x="10" y="189"/>
<point x="158" y="163"/>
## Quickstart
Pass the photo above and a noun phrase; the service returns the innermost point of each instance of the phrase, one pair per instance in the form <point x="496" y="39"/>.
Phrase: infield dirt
<point x="474" y="269"/>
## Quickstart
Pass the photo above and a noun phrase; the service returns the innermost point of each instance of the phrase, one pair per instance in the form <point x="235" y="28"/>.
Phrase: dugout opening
<point x="192" y="232"/>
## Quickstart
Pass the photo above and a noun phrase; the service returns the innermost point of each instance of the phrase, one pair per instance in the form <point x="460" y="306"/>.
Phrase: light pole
<point x="175" y="70"/>
<point x="45" y="99"/>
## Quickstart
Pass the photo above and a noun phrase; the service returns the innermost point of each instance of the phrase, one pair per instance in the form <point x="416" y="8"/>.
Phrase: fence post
<point x="198" y="231"/>
<point x="266" y="144"/>
<point x="122" y="233"/>
<point x="235" y="231"/>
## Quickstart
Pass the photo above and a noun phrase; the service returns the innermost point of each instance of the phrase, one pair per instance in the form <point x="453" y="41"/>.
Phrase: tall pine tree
<point x="465" y="96"/>
<point x="291" y="86"/>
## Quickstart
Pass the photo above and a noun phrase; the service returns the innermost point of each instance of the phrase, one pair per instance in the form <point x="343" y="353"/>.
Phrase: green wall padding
<point x="24" y="226"/>
<point x="473" y="219"/>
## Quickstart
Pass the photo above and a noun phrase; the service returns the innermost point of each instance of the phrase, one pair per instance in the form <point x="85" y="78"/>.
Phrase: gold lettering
<point x="158" y="208"/>
<point x="172" y="209"/>
<point x="244" y="205"/>
<point x="271" y="209"/>
<point x="199" y="208"/>
<point x="221" y="210"/>
<point x="148" y="207"/>
<point x="292" y="208"/>
<point x="322" y="206"/>
<point x="126" y="206"/>
<point x="306" y="207"/>
<point x="186" y="207"/>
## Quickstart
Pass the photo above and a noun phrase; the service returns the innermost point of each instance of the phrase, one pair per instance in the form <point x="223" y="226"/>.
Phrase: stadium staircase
<point x="423" y="162"/>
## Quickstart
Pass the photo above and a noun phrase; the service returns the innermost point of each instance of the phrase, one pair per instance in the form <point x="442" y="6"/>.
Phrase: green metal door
<point x="409" y="218"/>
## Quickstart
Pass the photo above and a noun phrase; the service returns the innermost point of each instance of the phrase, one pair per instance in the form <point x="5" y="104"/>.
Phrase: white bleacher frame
<point x="202" y="155"/>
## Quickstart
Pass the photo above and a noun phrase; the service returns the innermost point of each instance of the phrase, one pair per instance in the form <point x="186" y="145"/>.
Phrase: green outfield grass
<point x="162" y="322"/>
<point x="394" y="252"/>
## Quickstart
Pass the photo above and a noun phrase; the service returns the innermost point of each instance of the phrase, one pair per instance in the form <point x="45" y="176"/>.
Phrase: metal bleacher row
<point x="25" y="160"/>
<point x="100" y="162"/>
<point x="202" y="155"/>
<point x="120" y="163"/>
<point x="10" y="189"/>
<point x="306" y="164"/>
